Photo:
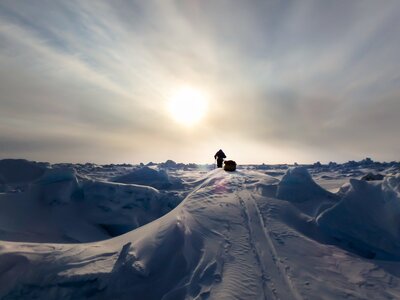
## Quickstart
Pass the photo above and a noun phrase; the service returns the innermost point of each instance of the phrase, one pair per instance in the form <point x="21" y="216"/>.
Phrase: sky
<point x="285" y="81"/>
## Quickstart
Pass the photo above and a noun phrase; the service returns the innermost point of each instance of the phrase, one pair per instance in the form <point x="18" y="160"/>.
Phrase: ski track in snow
<point x="276" y="283"/>
<point x="249" y="262"/>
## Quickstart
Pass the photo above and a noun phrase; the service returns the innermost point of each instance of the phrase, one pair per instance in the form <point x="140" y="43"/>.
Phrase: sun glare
<point x="187" y="106"/>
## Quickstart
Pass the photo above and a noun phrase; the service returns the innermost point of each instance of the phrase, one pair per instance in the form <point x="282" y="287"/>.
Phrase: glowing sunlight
<point x="187" y="106"/>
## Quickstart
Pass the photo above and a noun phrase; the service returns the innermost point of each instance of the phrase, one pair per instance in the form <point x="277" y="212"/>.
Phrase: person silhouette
<point x="219" y="156"/>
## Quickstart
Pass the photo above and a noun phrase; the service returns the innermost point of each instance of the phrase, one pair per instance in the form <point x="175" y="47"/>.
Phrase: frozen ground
<point x="174" y="231"/>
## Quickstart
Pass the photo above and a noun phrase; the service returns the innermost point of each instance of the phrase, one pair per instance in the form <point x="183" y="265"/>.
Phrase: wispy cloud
<point x="288" y="81"/>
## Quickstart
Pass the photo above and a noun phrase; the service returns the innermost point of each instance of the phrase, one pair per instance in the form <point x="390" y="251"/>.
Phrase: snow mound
<point x="59" y="207"/>
<point x="56" y="185"/>
<point x="119" y="208"/>
<point x="367" y="217"/>
<point x="20" y="171"/>
<point x="169" y="164"/>
<point x="298" y="186"/>
<point x="372" y="177"/>
<point x="158" y="179"/>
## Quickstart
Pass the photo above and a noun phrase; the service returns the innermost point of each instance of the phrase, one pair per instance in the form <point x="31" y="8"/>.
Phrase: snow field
<point x="241" y="235"/>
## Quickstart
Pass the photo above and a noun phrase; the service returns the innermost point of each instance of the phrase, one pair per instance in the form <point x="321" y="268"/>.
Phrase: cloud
<point x="288" y="80"/>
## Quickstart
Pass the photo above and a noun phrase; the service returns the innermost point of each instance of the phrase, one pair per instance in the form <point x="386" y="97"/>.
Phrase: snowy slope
<point x="231" y="238"/>
<point x="58" y="207"/>
<point x="375" y="228"/>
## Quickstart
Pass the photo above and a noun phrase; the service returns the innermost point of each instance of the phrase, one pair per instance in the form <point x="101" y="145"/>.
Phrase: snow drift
<point x="20" y="171"/>
<point x="298" y="187"/>
<point x="367" y="217"/>
<point x="158" y="179"/>
<point x="57" y="207"/>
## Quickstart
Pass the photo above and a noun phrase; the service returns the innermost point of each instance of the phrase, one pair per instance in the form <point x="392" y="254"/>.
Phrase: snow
<point x="298" y="187"/>
<point x="147" y="176"/>
<point x="59" y="207"/>
<point x="20" y="170"/>
<point x="375" y="227"/>
<point x="269" y="232"/>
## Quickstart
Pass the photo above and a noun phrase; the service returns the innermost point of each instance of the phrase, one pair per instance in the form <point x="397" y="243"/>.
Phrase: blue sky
<point x="286" y="81"/>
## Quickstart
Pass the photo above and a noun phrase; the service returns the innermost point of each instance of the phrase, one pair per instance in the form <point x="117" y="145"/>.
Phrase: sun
<point x="188" y="106"/>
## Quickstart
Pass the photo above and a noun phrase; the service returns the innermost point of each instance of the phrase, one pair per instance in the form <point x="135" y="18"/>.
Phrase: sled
<point x="229" y="165"/>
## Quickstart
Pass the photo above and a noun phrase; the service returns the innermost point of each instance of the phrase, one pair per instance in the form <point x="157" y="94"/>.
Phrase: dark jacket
<point x="220" y="155"/>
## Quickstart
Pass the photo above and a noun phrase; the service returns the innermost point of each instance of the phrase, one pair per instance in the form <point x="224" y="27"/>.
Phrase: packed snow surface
<point x="262" y="232"/>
